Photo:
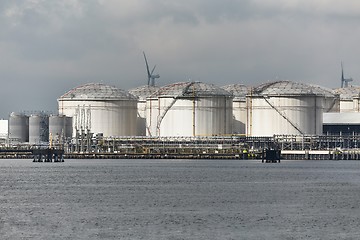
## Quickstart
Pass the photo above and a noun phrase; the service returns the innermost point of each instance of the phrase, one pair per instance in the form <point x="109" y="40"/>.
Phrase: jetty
<point x="37" y="154"/>
<point x="289" y="147"/>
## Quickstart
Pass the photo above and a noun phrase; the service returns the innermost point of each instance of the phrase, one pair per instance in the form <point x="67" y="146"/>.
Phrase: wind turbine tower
<point x="151" y="76"/>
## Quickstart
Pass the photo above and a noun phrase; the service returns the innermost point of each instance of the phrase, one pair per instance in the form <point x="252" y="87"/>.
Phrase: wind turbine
<point x="344" y="81"/>
<point x="151" y="76"/>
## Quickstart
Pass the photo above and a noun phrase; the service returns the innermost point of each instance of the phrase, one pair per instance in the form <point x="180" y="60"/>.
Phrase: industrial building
<point x="345" y="123"/>
<point x="189" y="109"/>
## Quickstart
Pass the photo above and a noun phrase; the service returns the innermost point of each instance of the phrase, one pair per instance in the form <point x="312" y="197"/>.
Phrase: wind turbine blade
<point x="147" y="66"/>
<point x="153" y="70"/>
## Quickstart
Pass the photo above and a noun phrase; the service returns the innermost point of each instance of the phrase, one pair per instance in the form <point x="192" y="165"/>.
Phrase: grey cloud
<point x="49" y="49"/>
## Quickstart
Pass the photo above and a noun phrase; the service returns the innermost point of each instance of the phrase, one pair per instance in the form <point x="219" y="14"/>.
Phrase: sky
<point x="48" y="47"/>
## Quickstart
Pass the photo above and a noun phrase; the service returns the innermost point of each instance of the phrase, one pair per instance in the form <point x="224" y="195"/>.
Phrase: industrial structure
<point x="331" y="101"/>
<point x="189" y="109"/>
<point x="60" y="128"/>
<point x="192" y="120"/>
<point x="100" y="109"/>
<point x="38" y="128"/>
<point x="284" y="107"/>
<point x="18" y="127"/>
<point x="349" y="98"/>
<point x="239" y="91"/>
<point x="142" y="93"/>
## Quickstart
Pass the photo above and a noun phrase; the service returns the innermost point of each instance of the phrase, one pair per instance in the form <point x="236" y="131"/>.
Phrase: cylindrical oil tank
<point x="59" y="128"/>
<point x="284" y="107"/>
<point x="356" y="104"/>
<point x="68" y="127"/>
<point x="331" y="101"/>
<point x="38" y="128"/>
<point x="189" y="109"/>
<point x="57" y="125"/>
<point x="239" y="92"/>
<point x="348" y="98"/>
<point x="142" y="93"/>
<point x="100" y="108"/>
<point x="18" y="127"/>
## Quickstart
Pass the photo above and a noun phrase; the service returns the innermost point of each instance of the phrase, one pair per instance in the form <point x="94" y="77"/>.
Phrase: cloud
<point x="57" y="45"/>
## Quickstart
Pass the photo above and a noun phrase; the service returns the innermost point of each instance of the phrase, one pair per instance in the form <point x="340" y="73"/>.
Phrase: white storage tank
<point x="239" y="92"/>
<point x="18" y="127"/>
<point x="101" y="109"/>
<point x="356" y="104"/>
<point x="284" y="107"/>
<point x="4" y="129"/>
<point x="189" y="109"/>
<point x="60" y="127"/>
<point x="349" y="98"/>
<point x="142" y="93"/>
<point x="331" y="101"/>
<point x="38" y="128"/>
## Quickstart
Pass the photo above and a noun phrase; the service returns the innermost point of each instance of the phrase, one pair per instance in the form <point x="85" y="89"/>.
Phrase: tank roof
<point x="286" y="88"/>
<point x="348" y="93"/>
<point x="144" y="91"/>
<point x="191" y="89"/>
<point x="97" y="91"/>
<point x="238" y="90"/>
<point x="17" y="114"/>
<point x="327" y="92"/>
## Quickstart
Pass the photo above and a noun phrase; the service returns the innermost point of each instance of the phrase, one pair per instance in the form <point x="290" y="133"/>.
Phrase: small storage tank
<point x="60" y="127"/>
<point x="189" y="109"/>
<point x="142" y="93"/>
<point x="18" y="127"/>
<point x="100" y="108"/>
<point x="239" y="106"/>
<point x="68" y="127"/>
<point x="284" y="107"/>
<point x="38" y="128"/>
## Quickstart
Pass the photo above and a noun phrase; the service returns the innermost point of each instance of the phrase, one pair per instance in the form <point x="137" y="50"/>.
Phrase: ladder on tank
<point x="283" y="115"/>
<point x="170" y="106"/>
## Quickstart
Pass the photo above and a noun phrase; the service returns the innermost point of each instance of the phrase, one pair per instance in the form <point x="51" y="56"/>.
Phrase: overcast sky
<point x="48" y="47"/>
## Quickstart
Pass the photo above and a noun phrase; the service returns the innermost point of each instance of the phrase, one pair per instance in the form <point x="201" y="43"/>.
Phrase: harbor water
<point x="179" y="199"/>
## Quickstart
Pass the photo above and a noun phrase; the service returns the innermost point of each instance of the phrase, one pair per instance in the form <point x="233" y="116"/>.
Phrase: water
<point x="179" y="199"/>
